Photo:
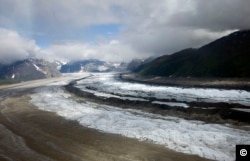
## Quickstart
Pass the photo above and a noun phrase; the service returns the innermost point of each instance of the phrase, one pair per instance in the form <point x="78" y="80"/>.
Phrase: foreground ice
<point x="106" y="83"/>
<point x="211" y="141"/>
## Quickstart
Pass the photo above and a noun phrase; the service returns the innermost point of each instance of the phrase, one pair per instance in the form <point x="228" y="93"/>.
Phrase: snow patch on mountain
<point x="29" y="69"/>
<point x="38" y="69"/>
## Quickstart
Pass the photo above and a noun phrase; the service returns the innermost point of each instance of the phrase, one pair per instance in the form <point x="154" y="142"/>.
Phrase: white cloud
<point x="72" y="51"/>
<point x="170" y="26"/>
<point x="215" y="15"/>
<point x="147" y="27"/>
<point x="210" y="35"/>
<point x="13" y="47"/>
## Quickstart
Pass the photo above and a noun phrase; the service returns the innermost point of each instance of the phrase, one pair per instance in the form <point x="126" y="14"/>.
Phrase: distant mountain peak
<point x="89" y="65"/>
<point x="28" y="69"/>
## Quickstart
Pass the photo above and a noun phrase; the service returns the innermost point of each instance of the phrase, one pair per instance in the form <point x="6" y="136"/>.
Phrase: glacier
<point x="212" y="141"/>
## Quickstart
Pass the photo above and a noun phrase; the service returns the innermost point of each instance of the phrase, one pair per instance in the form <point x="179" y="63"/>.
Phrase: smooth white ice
<point x="106" y="83"/>
<point x="172" y="104"/>
<point x="211" y="141"/>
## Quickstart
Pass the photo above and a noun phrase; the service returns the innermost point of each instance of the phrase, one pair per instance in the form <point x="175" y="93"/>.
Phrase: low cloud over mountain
<point x="113" y="30"/>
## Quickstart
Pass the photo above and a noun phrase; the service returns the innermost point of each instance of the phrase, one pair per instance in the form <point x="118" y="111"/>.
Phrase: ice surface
<point x="108" y="95"/>
<point x="68" y="77"/>
<point x="107" y="83"/>
<point x="173" y="104"/>
<point x="212" y="141"/>
<point x="241" y="109"/>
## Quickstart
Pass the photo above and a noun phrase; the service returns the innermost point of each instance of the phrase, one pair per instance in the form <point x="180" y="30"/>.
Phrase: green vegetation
<point x="227" y="57"/>
<point x="5" y="82"/>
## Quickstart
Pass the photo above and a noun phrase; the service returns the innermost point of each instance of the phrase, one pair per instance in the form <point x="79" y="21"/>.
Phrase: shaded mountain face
<point x="228" y="57"/>
<point x="90" y="65"/>
<point x="138" y="64"/>
<point x="135" y="63"/>
<point x="29" y="69"/>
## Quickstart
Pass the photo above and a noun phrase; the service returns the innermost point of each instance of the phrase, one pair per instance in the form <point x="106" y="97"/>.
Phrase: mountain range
<point x="91" y="65"/>
<point x="33" y="68"/>
<point x="227" y="57"/>
<point x="29" y="69"/>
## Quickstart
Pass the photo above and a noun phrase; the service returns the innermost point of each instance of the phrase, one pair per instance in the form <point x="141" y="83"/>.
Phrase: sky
<point x="112" y="30"/>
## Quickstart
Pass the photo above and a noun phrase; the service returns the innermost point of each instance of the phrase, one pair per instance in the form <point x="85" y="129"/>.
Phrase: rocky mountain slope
<point x="226" y="57"/>
<point x="29" y="69"/>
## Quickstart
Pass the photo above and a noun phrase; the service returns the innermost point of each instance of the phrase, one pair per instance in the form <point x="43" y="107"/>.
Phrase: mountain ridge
<point x="28" y="69"/>
<point x="225" y="57"/>
<point x="91" y="65"/>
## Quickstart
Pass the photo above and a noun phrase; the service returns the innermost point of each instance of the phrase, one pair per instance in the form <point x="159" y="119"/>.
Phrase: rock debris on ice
<point x="211" y="141"/>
